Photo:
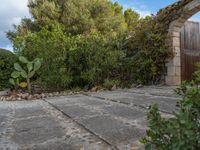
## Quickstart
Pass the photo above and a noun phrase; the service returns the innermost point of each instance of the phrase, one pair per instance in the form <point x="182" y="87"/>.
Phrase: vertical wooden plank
<point x="190" y="49"/>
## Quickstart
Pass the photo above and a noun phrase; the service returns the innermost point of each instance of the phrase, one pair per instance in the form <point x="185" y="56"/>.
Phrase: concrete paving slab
<point x="166" y="104"/>
<point x="109" y="120"/>
<point x="35" y="130"/>
<point x="76" y="111"/>
<point x="113" y="130"/>
<point x="27" y="112"/>
<point x="125" y="112"/>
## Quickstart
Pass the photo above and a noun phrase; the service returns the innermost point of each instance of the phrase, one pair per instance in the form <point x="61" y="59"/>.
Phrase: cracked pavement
<point x="107" y="120"/>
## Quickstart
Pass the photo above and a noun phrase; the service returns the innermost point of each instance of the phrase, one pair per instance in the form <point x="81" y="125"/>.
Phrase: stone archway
<point x="174" y="17"/>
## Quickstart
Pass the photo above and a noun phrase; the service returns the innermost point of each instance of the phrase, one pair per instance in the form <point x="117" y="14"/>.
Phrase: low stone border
<point x="27" y="96"/>
<point x="5" y="95"/>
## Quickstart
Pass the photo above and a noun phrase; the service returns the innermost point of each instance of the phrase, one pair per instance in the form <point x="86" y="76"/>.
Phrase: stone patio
<point x="92" y="121"/>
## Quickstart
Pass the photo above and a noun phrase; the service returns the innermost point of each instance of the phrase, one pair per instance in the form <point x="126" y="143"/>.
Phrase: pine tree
<point x="76" y="16"/>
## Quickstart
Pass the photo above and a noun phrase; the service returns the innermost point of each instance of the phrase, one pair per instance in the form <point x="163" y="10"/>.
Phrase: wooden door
<point x="190" y="49"/>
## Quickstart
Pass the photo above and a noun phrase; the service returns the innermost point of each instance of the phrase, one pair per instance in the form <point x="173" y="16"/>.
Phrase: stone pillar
<point x="174" y="65"/>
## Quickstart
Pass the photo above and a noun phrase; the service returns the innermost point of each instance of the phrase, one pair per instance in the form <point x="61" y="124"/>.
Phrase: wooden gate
<point x="190" y="49"/>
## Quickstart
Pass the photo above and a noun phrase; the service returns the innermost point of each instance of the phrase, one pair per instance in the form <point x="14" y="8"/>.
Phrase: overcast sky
<point x="11" y="12"/>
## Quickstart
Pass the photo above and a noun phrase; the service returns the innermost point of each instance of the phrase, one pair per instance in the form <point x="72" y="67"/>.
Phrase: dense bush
<point x="182" y="131"/>
<point x="147" y="50"/>
<point x="98" y="59"/>
<point x="52" y="46"/>
<point x="7" y="59"/>
<point x="70" y="61"/>
<point x="88" y="59"/>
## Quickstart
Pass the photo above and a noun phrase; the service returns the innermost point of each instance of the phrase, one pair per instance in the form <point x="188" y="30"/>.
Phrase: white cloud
<point x="141" y="9"/>
<point x="11" y="12"/>
<point x="8" y="47"/>
<point x="17" y="6"/>
<point x="143" y="13"/>
<point x="194" y="19"/>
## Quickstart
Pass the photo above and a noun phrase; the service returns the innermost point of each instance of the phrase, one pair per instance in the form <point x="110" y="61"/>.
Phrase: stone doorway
<point x="182" y="11"/>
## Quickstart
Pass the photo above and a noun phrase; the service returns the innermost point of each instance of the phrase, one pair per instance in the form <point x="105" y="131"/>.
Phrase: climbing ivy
<point x="169" y="14"/>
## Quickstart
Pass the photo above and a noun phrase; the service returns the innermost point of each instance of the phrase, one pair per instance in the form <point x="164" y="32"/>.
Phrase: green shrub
<point x="90" y="58"/>
<point x="197" y="73"/>
<point x="53" y="46"/>
<point x="180" y="132"/>
<point x="108" y="84"/>
<point x="147" y="52"/>
<point x="71" y="61"/>
<point x="7" y="59"/>
<point x="94" y="60"/>
<point x="27" y="72"/>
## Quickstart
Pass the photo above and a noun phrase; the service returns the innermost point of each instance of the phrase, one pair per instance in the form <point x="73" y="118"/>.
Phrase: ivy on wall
<point x="169" y="14"/>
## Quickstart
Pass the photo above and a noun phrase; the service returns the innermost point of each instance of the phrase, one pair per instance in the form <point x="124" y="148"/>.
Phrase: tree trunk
<point x="29" y="86"/>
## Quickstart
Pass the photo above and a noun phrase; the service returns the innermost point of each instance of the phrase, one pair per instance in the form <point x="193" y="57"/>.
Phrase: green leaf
<point x="36" y="59"/>
<point x="17" y="67"/>
<point x="37" y="65"/>
<point x="15" y="74"/>
<point x="31" y="74"/>
<point x="148" y="146"/>
<point x="23" y="74"/>
<point x="23" y="60"/>
<point x="30" y="66"/>
<point x="12" y="81"/>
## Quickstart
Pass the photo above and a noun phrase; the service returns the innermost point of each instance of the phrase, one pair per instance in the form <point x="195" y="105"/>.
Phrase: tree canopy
<point x="76" y="16"/>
